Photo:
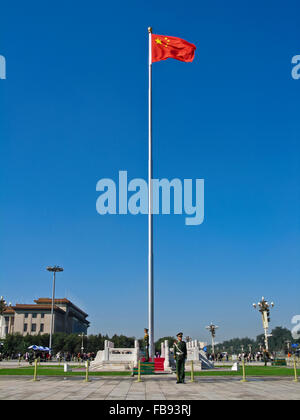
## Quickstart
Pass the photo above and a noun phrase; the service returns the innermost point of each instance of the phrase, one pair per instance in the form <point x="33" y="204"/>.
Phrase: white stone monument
<point x="112" y="358"/>
<point x="167" y="356"/>
<point x="198" y="356"/>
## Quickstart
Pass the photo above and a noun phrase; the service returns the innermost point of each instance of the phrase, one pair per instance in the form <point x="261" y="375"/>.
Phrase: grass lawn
<point x="55" y="371"/>
<point x="250" y="371"/>
<point x="59" y="371"/>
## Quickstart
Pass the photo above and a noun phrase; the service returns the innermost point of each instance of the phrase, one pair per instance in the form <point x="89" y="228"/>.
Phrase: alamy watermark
<point x="296" y="328"/>
<point x="2" y="67"/>
<point x="168" y="196"/>
<point x="296" y="68"/>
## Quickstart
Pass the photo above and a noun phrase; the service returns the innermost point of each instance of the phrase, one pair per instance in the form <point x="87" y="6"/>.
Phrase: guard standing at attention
<point x="180" y="355"/>
<point x="146" y="344"/>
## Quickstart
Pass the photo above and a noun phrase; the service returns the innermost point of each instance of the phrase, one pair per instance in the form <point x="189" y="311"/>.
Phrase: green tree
<point x="122" y="341"/>
<point x="94" y="343"/>
<point x="13" y="344"/>
<point x="161" y="340"/>
<point x="58" y="342"/>
<point x="278" y="340"/>
<point x="72" y="343"/>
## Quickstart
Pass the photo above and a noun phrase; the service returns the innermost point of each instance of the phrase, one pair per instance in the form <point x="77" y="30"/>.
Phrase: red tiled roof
<point x="9" y="310"/>
<point x="21" y="306"/>
<point x="49" y="300"/>
<point x="60" y="301"/>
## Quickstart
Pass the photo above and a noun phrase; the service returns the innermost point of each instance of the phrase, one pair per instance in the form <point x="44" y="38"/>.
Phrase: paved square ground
<point x="160" y="387"/>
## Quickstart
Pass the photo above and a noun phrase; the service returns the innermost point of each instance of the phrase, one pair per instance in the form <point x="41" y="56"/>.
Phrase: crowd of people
<point x="30" y="355"/>
<point x="259" y="356"/>
<point x="68" y="357"/>
<point x="256" y="357"/>
<point x="218" y="357"/>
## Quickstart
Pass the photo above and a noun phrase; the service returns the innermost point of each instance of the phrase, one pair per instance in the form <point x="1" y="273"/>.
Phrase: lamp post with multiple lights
<point x="55" y="269"/>
<point x="264" y="309"/>
<point x="212" y="329"/>
<point x="82" y="335"/>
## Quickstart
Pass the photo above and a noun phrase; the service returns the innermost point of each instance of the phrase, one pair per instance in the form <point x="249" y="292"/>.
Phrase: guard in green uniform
<point x="146" y="344"/>
<point x="180" y="355"/>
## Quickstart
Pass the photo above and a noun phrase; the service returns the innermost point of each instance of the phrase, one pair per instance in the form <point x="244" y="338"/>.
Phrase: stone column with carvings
<point x="167" y="356"/>
<point x="137" y="352"/>
<point x="106" y="351"/>
<point x="162" y="346"/>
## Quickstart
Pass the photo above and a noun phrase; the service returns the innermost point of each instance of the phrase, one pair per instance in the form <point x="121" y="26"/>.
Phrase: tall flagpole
<point x="150" y="206"/>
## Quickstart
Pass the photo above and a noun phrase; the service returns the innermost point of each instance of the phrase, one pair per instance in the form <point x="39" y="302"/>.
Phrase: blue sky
<point x="73" y="110"/>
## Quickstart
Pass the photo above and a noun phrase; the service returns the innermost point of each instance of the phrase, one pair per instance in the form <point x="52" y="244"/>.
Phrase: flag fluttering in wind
<point x="164" y="47"/>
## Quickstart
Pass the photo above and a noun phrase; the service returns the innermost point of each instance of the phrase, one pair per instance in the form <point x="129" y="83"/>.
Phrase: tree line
<point x="72" y="343"/>
<point x="281" y="340"/>
<point x="62" y="342"/>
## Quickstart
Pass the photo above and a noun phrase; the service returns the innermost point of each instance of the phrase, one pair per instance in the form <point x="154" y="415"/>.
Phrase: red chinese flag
<point x="164" y="47"/>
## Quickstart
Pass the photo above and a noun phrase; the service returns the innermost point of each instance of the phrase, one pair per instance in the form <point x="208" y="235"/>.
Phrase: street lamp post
<point x="55" y="269"/>
<point x="264" y="309"/>
<point x="82" y="335"/>
<point x="212" y="329"/>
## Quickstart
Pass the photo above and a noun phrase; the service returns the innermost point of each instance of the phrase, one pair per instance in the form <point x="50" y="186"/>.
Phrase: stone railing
<point x="112" y="355"/>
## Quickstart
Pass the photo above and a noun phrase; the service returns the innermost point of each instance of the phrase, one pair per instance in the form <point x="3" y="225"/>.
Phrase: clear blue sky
<point x="74" y="109"/>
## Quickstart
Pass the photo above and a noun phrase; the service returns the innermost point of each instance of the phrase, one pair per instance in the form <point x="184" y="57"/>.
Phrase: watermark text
<point x="296" y="67"/>
<point x="2" y="67"/>
<point x="173" y="196"/>
<point x="296" y="328"/>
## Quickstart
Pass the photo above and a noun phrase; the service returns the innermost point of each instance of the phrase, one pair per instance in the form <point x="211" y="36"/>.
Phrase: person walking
<point x="180" y="354"/>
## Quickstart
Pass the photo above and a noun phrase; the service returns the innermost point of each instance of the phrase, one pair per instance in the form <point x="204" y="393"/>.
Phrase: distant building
<point x="36" y="318"/>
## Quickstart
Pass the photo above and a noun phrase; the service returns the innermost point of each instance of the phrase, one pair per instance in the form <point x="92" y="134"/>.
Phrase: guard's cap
<point x="179" y="334"/>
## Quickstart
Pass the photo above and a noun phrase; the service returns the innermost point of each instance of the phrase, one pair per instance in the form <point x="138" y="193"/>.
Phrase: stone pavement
<point x="160" y="387"/>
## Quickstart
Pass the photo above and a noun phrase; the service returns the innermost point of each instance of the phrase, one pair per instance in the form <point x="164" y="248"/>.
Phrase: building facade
<point x="36" y="318"/>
